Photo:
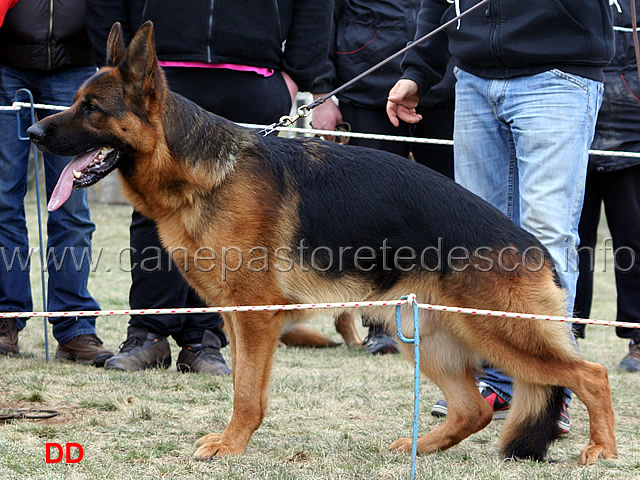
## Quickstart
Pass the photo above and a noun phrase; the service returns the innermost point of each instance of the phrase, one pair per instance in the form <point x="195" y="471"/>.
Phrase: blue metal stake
<point x="40" y="235"/>
<point x="416" y="347"/>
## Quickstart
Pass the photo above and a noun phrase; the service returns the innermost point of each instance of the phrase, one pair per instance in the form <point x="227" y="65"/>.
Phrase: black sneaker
<point x="8" y="337"/>
<point x="141" y="350"/>
<point x="203" y="357"/>
<point x="631" y="361"/>
<point x="501" y="408"/>
<point x="379" y="342"/>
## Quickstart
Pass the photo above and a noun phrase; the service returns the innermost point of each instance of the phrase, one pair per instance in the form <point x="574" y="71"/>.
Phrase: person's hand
<point x="326" y="116"/>
<point x="402" y="102"/>
<point x="292" y="86"/>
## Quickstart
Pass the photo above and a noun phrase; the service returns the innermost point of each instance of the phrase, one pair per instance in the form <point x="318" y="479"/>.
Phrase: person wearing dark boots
<point x="228" y="57"/>
<point x="200" y="335"/>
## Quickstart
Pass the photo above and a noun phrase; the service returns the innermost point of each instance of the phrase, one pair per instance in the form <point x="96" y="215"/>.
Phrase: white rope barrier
<point x="373" y="136"/>
<point x="39" y="106"/>
<point x="182" y="311"/>
<point x="314" y="131"/>
<point x="527" y="316"/>
<point x="319" y="306"/>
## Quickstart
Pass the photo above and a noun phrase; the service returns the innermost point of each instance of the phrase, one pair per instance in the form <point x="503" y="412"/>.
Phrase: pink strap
<point x="265" y="72"/>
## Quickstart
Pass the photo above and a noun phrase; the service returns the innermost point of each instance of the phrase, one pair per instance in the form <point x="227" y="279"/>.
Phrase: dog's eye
<point x="90" y="107"/>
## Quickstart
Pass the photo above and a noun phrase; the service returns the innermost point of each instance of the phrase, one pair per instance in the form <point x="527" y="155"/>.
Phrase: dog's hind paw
<point x="211" y="446"/>
<point x="593" y="452"/>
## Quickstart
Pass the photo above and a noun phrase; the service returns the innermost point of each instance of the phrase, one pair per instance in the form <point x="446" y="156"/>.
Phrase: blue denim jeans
<point x="69" y="229"/>
<point x="522" y="144"/>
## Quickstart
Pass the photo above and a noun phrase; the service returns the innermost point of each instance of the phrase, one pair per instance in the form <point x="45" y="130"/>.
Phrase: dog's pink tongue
<point x="65" y="183"/>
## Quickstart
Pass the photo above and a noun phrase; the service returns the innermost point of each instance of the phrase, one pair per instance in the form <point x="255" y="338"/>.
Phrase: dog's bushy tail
<point x="532" y="423"/>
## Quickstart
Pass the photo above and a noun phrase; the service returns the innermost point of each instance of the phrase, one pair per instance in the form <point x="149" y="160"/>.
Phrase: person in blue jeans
<point x="244" y="61"/>
<point x="529" y="87"/>
<point x="52" y="64"/>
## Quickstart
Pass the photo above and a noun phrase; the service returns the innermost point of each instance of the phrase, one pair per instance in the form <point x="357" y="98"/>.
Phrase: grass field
<point x="332" y="413"/>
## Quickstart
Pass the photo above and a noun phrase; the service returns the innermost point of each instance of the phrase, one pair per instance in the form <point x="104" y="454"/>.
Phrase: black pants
<point x="244" y="97"/>
<point x="437" y="122"/>
<point x="620" y="192"/>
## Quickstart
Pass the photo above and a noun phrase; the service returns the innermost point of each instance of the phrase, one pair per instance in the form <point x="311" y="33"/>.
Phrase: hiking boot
<point x="631" y="361"/>
<point x="140" y="351"/>
<point x="8" y="337"/>
<point x="501" y="407"/>
<point x="203" y="357"/>
<point x="379" y="342"/>
<point x="84" y="349"/>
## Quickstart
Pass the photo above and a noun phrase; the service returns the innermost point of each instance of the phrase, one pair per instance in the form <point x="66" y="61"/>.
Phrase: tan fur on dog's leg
<point x="452" y="367"/>
<point x="346" y="327"/>
<point x="467" y="413"/>
<point x="253" y="342"/>
<point x="590" y="382"/>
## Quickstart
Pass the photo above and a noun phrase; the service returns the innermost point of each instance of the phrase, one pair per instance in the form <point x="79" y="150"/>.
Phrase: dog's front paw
<point x="211" y="446"/>
<point x="593" y="452"/>
<point x="402" y="444"/>
<point x="212" y="437"/>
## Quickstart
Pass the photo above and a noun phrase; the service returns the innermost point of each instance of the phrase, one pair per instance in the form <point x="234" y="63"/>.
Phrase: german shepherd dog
<point x="307" y="221"/>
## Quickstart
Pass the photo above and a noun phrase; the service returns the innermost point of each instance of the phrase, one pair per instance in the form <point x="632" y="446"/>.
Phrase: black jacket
<point x="44" y="35"/>
<point x="365" y="32"/>
<point x="243" y="32"/>
<point x="509" y="38"/>
<point x="619" y="116"/>
<point x="624" y="58"/>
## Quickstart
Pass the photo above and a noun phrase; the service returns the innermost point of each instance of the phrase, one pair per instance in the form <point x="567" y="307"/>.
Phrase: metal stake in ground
<point x="411" y="299"/>
<point x="40" y="236"/>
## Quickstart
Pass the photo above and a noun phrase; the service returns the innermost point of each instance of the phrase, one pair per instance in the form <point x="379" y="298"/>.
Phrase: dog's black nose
<point x="36" y="132"/>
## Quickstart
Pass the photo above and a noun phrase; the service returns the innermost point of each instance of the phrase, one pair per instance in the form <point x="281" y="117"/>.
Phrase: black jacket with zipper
<point x="364" y="33"/>
<point x="624" y="58"/>
<point x="241" y="32"/>
<point x="44" y="35"/>
<point x="619" y="115"/>
<point x="510" y="38"/>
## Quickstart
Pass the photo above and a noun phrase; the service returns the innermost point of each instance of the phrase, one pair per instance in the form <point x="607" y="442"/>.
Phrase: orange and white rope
<point x="320" y="306"/>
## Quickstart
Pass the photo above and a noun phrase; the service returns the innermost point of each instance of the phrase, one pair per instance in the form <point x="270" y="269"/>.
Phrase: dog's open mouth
<point x="83" y="171"/>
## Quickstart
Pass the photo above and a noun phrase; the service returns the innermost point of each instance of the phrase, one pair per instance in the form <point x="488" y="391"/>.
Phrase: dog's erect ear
<point x="141" y="64"/>
<point x="115" y="46"/>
